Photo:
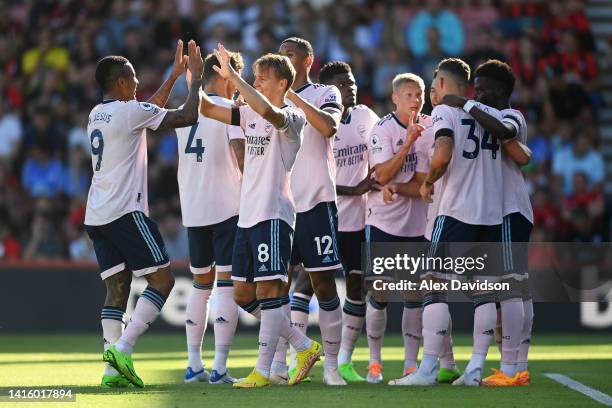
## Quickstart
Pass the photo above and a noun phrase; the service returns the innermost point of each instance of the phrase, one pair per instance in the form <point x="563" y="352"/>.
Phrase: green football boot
<point x="347" y="371"/>
<point x="122" y="363"/>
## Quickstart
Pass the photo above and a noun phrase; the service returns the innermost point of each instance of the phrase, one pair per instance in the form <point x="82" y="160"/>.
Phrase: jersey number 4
<point x="198" y="149"/>
<point x="484" y="145"/>
<point x="97" y="148"/>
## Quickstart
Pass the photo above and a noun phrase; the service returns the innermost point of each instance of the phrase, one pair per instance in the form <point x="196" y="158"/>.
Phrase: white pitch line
<point x="592" y="393"/>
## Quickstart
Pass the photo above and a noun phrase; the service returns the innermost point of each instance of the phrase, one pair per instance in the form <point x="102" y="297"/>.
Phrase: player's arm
<point x="326" y="122"/>
<point x="410" y="189"/>
<point x="361" y="188"/>
<point x="498" y="128"/>
<point x="443" y="153"/>
<point x="259" y="103"/>
<point x="188" y="114"/>
<point x="237" y="146"/>
<point x="387" y="170"/>
<point x="160" y="98"/>
<point x="517" y="151"/>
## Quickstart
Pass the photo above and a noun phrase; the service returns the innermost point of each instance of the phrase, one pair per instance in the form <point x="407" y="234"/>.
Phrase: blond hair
<point x="401" y="79"/>
<point x="279" y="64"/>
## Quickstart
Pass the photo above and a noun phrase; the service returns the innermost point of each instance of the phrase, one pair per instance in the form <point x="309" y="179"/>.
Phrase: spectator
<point x="43" y="244"/>
<point x="11" y="132"/>
<point x="445" y="21"/>
<point x="43" y="175"/>
<point x="579" y="157"/>
<point x="175" y="237"/>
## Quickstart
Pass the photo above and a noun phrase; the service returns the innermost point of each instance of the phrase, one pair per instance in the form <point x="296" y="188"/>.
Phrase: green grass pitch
<point x="73" y="361"/>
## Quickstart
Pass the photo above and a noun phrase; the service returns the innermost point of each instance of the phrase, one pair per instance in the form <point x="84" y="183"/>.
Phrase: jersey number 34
<point x="484" y="144"/>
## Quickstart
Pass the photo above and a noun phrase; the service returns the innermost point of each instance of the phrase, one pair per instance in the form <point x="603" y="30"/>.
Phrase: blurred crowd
<point x="49" y="48"/>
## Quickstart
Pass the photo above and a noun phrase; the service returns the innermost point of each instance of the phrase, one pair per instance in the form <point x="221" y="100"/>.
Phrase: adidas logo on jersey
<point x="220" y="319"/>
<point x="400" y="143"/>
<point x="252" y="125"/>
<point x="327" y="259"/>
<point x="263" y="268"/>
<point x="336" y="138"/>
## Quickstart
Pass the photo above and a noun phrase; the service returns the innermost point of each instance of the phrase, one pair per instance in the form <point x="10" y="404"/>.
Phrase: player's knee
<point x="204" y="279"/>
<point x="479" y="299"/>
<point x="242" y="299"/>
<point x="324" y="285"/>
<point x="162" y="280"/>
<point x="354" y="290"/>
<point x="303" y="284"/>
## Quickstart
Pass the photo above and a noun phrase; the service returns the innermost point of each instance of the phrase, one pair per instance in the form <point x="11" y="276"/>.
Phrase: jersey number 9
<point x="99" y="149"/>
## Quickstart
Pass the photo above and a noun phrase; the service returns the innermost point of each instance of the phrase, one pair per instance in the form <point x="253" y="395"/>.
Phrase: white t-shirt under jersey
<point x="268" y="159"/>
<point x="471" y="190"/>
<point x="351" y="153"/>
<point x="117" y="132"/>
<point x="209" y="178"/>
<point x="405" y="216"/>
<point x="516" y="195"/>
<point x="314" y="174"/>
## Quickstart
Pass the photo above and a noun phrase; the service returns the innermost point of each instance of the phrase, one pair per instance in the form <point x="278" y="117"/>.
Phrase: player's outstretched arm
<point x="326" y="123"/>
<point x="443" y="153"/>
<point x="160" y="98"/>
<point x="188" y="114"/>
<point x="361" y="188"/>
<point x="387" y="170"/>
<point x="254" y="99"/>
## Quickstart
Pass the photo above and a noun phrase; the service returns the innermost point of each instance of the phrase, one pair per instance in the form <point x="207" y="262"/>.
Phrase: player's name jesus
<point x="405" y="285"/>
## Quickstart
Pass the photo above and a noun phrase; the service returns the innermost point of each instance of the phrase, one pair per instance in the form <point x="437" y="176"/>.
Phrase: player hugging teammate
<point x="307" y="175"/>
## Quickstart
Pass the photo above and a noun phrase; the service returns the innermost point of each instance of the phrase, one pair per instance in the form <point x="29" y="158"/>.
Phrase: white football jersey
<point x="313" y="177"/>
<point x="268" y="159"/>
<point x="516" y="195"/>
<point x="471" y="190"/>
<point x="351" y="153"/>
<point x="405" y="216"/>
<point x="424" y="148"/>
<point x="117" y="132"/>
<point x="209" y="177"/>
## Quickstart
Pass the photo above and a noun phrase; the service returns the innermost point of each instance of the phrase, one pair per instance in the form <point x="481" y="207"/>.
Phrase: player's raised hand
<point x="225" y="68"/>
<point x="414" y="129"/>
<point x="195" y="64"/>
<point x="180" y="61"/>
<point x="426" y="191"/>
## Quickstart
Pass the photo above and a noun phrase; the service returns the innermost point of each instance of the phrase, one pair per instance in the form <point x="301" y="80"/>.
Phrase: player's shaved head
<point x="279" y="65"/>
<point x="457" y="69"/>
<point x="109" y="69"/>
<point x="500" y="72"/>
<point x="211" y="60"/>
<point x="301" y="44"/>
